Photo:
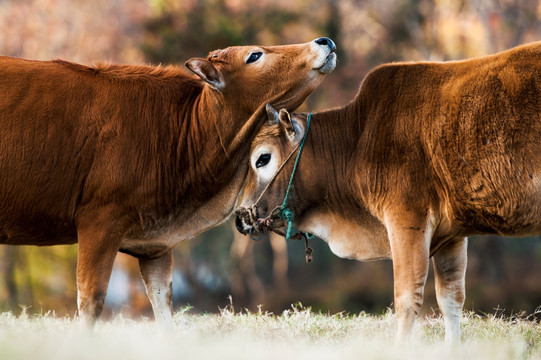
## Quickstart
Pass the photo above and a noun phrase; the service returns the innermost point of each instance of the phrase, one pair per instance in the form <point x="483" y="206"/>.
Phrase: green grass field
<point x="295" y="334"/>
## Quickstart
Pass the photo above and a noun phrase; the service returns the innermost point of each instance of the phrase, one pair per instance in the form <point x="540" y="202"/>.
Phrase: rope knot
<point x="287" y="215"/>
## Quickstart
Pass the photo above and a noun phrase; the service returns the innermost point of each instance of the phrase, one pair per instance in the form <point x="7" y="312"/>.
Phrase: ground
<point x="297" y="334"/>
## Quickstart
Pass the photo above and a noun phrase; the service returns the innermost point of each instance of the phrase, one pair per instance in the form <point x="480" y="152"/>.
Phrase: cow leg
<point x="450" y="272"/>
<point x="157" y="275"/>
<point x="99" y="242"/>
<point x="409" y="238"/>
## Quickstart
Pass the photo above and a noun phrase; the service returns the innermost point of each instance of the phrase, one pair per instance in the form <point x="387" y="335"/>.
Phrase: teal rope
<point x="285" y="212"/>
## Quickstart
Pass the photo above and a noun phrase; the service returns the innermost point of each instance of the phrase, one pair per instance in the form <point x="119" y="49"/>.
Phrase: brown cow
<point x="136" y="158"/>
<point x="425" y="155"/>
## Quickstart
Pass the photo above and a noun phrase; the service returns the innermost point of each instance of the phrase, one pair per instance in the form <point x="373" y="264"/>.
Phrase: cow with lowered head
<point x="136" y="158"/>
<point x="425" y="155"/>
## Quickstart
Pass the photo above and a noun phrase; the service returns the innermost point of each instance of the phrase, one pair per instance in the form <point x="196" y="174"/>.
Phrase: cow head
<point x="272" y="159"/>
<point x="241" y="75"/>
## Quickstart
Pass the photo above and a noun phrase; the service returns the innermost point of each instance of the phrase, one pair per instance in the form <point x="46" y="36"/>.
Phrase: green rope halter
<point x="285" y="212"/>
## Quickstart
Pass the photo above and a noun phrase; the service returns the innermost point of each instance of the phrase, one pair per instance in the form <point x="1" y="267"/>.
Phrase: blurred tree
<point x="174" y="35"/>
<point x="78" y="30"/>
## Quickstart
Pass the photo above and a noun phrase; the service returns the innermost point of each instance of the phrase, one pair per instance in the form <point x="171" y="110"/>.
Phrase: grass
<point x="296" y="334"/>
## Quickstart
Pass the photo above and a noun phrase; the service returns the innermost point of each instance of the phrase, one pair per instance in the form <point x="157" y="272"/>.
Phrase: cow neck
<point x="334" y="137"/>
<point x="224" y="134"/>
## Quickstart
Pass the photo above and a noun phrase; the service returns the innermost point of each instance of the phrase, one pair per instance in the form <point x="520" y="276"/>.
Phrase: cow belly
<point x="152" y="246"/>
<point x="504" y="202"/>
<point x="37" y="233"/>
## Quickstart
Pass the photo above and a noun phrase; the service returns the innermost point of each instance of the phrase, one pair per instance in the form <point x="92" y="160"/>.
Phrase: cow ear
<point x="291" y="126"/>
<point x="206" y="71"/>
<point x="272" y="115"/>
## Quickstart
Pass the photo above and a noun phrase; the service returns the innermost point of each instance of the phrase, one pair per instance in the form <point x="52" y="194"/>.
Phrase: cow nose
<point x="324" y="41"/>
<point x="239" y="226"/>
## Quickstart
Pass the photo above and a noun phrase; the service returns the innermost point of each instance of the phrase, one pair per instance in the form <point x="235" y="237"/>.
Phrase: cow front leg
<point x="97" y="249"/>
<point x="450" y="273"/>
<point x="157" y="276"/>
<point x="409" y="238"/>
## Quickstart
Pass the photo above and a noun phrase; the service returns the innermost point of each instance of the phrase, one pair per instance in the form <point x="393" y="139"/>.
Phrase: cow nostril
<point x="324" y="41"/>
<point x="239" y="225"/>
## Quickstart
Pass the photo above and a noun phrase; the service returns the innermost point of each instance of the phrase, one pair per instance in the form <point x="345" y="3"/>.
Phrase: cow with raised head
<point x="425" y="155"/>
<point x="136" y="158"/>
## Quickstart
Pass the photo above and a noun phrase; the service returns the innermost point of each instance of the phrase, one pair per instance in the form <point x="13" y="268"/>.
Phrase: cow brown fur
<point x="425" y="155"/>
<point x="136" y="158"/>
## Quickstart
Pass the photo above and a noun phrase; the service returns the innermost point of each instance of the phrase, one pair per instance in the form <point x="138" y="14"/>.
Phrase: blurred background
<point x="502" y="273"/>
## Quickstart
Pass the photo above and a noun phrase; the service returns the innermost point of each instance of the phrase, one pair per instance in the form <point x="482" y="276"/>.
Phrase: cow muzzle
<point x="328" y="49"/>
<point x="248" y="222"/>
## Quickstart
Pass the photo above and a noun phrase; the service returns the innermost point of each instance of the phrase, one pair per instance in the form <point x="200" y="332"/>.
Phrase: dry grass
<point x="295" y="334"/>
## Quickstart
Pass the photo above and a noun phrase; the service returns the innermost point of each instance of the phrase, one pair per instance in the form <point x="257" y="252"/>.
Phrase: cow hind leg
<point x="157" y="276"/>
<point x="450" y="272"/>
<point x="99" y="242"/>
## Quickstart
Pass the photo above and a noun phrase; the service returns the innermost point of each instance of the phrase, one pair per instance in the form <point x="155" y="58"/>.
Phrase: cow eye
<point x="253" y="57"/>
<point x="262" y="160"/>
